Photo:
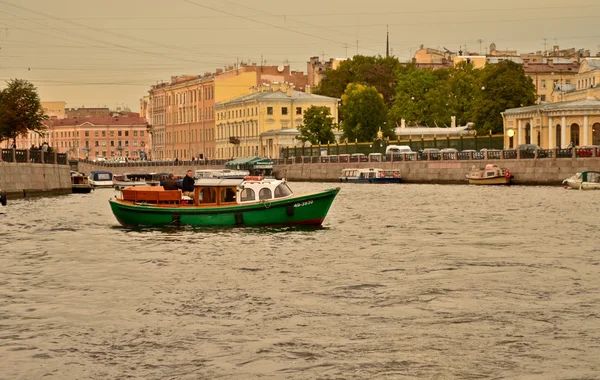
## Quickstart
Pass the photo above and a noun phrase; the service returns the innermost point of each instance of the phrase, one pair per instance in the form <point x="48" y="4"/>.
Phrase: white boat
<point x="134" y="179"/>
<point x="369" y="175"/>
<point x="490" y="175"/>
<point x="80" y="183"/>
<point x="584" y="180"/>
<point x="101" y="179"/>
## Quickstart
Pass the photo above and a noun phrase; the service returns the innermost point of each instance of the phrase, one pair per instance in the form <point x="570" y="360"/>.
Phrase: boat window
<point x="265" y="193"/>
<point x="282" y="191"/>
<point x="248" y="195"/>
<point x="208" y="195"/>
<point x="227" y="195"/>
<point x="490" y="174"/>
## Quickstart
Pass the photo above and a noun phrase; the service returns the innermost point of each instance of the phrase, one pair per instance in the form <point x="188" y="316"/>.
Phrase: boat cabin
<point x="212" y="192"/>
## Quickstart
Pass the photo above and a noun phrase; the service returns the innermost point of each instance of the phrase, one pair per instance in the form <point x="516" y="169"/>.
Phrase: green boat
<point x="251" y="201"/>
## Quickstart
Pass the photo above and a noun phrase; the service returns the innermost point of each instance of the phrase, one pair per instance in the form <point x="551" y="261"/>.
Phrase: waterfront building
<point x="554" y="125"/>
<point x="316" y="69"/>
<point x="261" y="123"/>
<point x="182" y="111"/>
<point x="85" y="112"/>
<point x="92" y="137"/>
<point x="585" y="82"/>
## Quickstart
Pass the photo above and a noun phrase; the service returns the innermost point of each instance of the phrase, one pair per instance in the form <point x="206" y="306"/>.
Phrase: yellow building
<point x="243" y="124"/>
<point x="549" y="78"/>
<point x="554" y="125"/>
<point x="584" y="83"/>
<point x="478" y="61"/>
<point x="54" y="110"/>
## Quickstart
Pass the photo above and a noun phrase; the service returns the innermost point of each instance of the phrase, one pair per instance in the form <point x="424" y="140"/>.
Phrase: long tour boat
<point x="490" y="175"/>
<point x="369" y="175"/>
<point x="249" y="201"/>
<point x="584" y="180"/>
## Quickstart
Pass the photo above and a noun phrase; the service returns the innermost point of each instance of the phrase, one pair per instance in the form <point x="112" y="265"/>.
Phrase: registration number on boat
<point x="305" y="203"/>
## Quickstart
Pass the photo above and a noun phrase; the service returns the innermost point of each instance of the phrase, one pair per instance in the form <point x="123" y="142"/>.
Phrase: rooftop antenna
<point x="480" y="42"/>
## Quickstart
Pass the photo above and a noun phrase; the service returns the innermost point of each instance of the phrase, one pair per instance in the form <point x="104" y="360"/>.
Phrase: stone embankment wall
<point x="86" y="168"/>
<point x="547" y="171"/>
<point x="26" y="180"/>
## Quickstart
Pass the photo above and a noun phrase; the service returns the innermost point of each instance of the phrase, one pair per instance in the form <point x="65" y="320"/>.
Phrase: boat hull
<point x="489" y="181"/>
<point x="308" y="210"/>
<point x="582" y="185"/>
<point x="81" y="189"/>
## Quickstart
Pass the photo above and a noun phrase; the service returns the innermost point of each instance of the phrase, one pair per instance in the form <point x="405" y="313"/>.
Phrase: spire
<point x="387" y="42"/>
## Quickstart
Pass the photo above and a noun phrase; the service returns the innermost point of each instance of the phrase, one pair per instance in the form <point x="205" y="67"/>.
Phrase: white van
<point x="398" y="149"/>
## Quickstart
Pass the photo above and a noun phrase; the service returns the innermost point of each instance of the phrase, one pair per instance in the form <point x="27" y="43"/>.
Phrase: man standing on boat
<point x="188" y="184"/>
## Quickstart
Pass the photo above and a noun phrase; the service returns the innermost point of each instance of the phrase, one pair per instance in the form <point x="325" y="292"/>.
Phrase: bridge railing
<point x="539" y="154"/>
<point x="34" y="156"/>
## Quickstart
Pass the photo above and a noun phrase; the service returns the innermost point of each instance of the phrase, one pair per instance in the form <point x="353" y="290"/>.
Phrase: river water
<point x="402" y="282"/>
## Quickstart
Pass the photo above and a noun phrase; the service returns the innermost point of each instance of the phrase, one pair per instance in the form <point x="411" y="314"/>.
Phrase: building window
<point x="269" y="110"/>
<point x="87" y="133"/>
<point x="284" y="110"/>
<point x="112" y="143"/>
<point x="298" y="110"/>
<point x="126" y="133"/>
<point x="142" y="133"/>
<point x="543" y="98"/>
<point x="103" y="133"/>
<point x="543" y="83"/>
<point x="119" y="133"/>
<point x="134" y="133"/>
<point x="96" y="134"/>
<point x="96" y="143"/>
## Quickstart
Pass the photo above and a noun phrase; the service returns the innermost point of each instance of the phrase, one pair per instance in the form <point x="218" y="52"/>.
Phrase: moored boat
<point x="99" y="178"/>
<point x="80" y="183"/>
<point x="250" y="201"/>
<point x="584" y="180"/>
<point x="2" y="198"/>
<point x="369" y="175"/>
<point x="134" y="179"/>
<point x="221" y="173"/>
<point x="492" y="174"/>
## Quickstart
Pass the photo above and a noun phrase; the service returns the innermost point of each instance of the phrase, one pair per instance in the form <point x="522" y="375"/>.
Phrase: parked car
<point x="449" y="153"/>
<point x="587" y="150"/>
<point x="398" y="149"/>
<point x="528" y="151"/>
<point x="99" y="159"/>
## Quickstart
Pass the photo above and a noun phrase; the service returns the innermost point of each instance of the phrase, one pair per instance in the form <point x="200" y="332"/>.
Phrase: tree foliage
<point x="364" y="113"/>
<point x="318" y="126"/>
<point x="20" y="110"/>
<point x="501" y="86"/>
<point x="371" y="71"/>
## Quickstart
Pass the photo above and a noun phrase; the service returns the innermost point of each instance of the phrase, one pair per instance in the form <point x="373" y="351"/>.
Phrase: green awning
<point x="248" y="162"/>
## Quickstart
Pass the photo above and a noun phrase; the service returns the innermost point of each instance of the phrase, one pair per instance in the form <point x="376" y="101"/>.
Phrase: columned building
<point x="554" y="125"/>
<point x="262" y="123"/>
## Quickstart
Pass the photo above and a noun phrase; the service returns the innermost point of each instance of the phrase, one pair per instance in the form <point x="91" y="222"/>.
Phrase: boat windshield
<point x="282" y="191"/>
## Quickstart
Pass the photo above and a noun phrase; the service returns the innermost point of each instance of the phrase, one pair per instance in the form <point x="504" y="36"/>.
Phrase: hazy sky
<point x="107" y="53"/>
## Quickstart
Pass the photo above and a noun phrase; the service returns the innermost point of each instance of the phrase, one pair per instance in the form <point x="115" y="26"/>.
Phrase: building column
<point x="563" y="133"/>
<point x="520" y="136"/>
<point x="531" y="136"/>
<point x="550" y="133"/>
<point x="586" y="126"/>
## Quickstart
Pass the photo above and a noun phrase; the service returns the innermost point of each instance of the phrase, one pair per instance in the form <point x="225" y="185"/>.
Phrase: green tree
<point x="318" y="126"/>
<point x="364" y="113"/>
<point x="20" y="110"/>
<point x="501" y="86"/>
<point x="371" y="71"/>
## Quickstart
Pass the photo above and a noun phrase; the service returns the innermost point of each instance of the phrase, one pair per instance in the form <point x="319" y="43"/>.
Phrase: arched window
<point x="596" y="134"/>
<point x="227" y="195"/>
<point x="248" y="195"/>
<point x="208" y="195"/>
<point x="558" y="142"/>
<point x="575" y="134"/>
<point x="265" y="193"/>
<point x="527" y="133"/>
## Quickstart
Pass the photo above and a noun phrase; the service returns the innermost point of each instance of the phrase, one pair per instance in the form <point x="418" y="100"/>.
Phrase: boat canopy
<point x="101" y="175"/>
<point x="218" y="182"/>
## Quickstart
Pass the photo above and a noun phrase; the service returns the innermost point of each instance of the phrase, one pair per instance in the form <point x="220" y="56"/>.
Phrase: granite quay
<point x="540" y="167"/>
<point x="27" y="173"/>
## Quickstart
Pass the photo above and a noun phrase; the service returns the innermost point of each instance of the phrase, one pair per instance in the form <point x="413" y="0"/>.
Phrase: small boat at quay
<point x="490" y="175"/>
<point x="80" y="183"/>
<point x="134" y="179"/>
<point x="100" y="178"/>
<point x="2" y="198"/>
<point x="369" y="175"/>
<point x="244" y="202"/>
<point x="584" y="180"/>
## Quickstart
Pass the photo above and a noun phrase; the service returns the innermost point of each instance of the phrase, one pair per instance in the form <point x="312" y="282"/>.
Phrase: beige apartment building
<point x="54" y="110"/>
<point x="261" y="123"/>
<point x="182" y="112"/>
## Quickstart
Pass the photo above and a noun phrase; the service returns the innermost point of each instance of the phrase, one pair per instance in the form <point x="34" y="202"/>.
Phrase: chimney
<point x="207" y="74"/>
<point x="219" y="71"/>
<point x="290" y="88"/>
<point x="453" y="123"/>
<point x="275" y="86"/>
<point x="402" y="123"/>
<point x="308" y="88"/>
<point x="229" y="68"/>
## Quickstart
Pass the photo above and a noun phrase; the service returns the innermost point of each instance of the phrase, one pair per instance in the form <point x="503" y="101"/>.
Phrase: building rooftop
<point x="570" y="105"/>
<point x="101" y="120"/>
<point x="277" y="95"/>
